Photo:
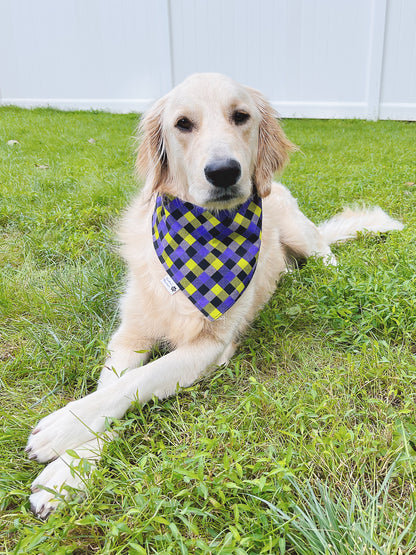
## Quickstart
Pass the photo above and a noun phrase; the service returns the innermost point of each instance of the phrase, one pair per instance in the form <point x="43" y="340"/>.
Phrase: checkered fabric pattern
<point x="211" y="256"/>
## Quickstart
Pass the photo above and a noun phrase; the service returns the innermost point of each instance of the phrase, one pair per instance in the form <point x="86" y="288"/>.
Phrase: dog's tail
<point x="348" y="223"/>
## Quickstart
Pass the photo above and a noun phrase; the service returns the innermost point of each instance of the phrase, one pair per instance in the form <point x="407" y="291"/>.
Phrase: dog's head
<point x="209" y="141"/>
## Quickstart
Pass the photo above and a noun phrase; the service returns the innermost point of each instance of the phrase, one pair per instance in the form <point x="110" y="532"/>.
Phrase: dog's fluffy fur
<point x="199" y="122"/>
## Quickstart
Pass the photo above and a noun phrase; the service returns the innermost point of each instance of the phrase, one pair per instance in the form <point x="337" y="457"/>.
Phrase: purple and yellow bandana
<point x="210" y="256"/>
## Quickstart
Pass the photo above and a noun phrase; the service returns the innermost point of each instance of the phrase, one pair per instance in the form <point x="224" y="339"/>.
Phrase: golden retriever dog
<point x="212" y="147"/>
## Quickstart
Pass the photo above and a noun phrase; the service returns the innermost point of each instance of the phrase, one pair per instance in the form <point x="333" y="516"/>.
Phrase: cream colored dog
<point x="210" y="141"/>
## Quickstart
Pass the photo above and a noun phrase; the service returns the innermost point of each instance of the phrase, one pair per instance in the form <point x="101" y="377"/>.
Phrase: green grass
<point x="305" y="443"/>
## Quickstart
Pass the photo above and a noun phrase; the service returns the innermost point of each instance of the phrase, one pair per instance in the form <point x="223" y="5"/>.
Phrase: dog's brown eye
<point x="184" y="124"/>
<point x="239" y="117"/>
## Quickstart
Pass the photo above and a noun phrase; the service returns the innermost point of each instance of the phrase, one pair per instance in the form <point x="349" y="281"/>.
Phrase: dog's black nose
<point x="223" y="173"/>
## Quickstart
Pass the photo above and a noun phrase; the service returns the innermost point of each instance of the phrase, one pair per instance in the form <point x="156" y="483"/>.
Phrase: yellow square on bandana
<point x="213" y="220"/>
<point x="217" y="264"/>
<point x="214" y="243"/>
<point x="191" y="264"/>
<point x="242" y="263"/>
<point x="190" y="289"/>
<point x="215" y="314"/>
<point x="238" y="238"/>
<point x="217" y="289"/>
<point x="240" y="287"/>
<point x="189" y="239"/>
<point x="256" y="209"/>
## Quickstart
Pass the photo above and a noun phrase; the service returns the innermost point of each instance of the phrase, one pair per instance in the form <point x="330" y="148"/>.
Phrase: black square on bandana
<point x="241" y="251"/>
<point x="229" y="263"/>
<point x="229" y="288"/>
<point x="203" y="289"/>
<point x="191" y="251"/>
<point x="204" y="264"/>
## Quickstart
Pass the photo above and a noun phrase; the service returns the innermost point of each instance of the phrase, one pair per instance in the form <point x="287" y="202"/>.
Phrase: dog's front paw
<point x="59" y="480"/>
<point x="64" y="429"/>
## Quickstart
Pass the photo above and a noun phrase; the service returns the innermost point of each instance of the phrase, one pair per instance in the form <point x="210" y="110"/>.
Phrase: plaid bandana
<point x="211" y="257"/>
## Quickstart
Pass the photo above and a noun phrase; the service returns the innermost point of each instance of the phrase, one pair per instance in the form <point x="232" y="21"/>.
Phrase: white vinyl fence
<point x="312" y="58"/>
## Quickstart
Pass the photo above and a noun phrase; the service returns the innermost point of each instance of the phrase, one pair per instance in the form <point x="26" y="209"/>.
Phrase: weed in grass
<point x="324" y="522"/>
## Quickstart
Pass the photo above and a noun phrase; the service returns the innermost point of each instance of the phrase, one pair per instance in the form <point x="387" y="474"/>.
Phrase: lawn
<point x="305" y="443"/>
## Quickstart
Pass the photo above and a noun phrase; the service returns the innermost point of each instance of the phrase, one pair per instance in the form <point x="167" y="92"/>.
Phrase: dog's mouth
<point x="230" y="197"/>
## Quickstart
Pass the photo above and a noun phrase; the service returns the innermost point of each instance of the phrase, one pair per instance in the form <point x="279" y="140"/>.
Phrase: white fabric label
<point x="170" y="285"/>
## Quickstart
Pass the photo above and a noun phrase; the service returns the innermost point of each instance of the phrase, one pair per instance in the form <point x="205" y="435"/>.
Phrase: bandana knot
<point x="210" y="256"/>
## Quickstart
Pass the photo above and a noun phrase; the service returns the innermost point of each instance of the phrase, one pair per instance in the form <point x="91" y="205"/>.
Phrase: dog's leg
<point x="297" y="233"/>
<point x="308" y="241"/>
<point x="82" y="420"/>
<point x="130" y="345"/>
<point x="227" y="353"/>
<point x="51" y="486"/>
<point x="125" y="353"/>
<point x="70" y="471"/>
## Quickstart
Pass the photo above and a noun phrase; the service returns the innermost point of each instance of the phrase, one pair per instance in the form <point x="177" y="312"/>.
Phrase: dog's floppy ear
<point x="273" y="148"/>
<point x="152" y="162"/>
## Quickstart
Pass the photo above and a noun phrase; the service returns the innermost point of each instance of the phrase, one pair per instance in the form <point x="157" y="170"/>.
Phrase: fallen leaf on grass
<point x="42" y="167"/>
<point x="409" y="183"/>
<point x="92" y="141"/>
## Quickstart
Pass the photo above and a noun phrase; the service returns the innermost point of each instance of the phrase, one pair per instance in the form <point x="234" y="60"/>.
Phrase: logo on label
<point x="170" y="285"/>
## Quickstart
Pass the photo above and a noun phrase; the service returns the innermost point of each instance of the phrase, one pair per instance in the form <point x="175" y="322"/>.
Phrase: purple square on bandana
<point x="202" y="302"/>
